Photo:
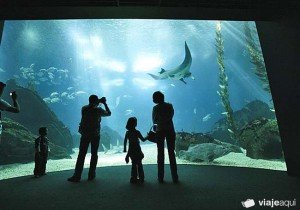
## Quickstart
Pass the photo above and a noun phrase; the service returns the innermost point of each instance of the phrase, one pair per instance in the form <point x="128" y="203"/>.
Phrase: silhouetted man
<point x="89" y="129"/>
<point x="4" y="106"/>
<point x="162" y="116"/>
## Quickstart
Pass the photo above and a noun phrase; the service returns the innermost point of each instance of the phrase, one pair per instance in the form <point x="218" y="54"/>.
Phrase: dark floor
<point x="201" y="187"/>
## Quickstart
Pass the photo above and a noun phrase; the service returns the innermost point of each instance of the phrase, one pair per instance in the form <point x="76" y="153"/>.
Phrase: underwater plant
<point x="223" y="84"/>
<point x="256" y="56"/>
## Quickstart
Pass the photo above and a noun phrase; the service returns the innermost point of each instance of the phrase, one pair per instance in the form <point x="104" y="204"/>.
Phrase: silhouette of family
<point x="89" y="128"/>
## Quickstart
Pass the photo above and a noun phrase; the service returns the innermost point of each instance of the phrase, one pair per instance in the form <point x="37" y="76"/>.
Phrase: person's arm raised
<point x="15" y="108"/>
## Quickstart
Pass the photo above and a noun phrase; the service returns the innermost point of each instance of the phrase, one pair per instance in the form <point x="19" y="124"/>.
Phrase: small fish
<point x="172" y="85"/>
<point x="272" y="110"/>
<point x="51" y="69"/>
<point x="70" y="88"/>
<point x="225" y="113"/>
<point x="195" y="111"/>
<point x="80" y="92"/>
<point x="218" y="93"/>
<point x="54" y="94"/>
<point x="47" y="100"/>
<point x="64" y="94"/>
<point x="71" y="96"/>
<point x="206" y="118"/>
<point x="50" y="75"/>
<point x="62" y="71"/>
<point x="230" y="130"/>
<point x="32" y="65"/>
<point x="55" y="100"/>
<point x="128" y="112"/>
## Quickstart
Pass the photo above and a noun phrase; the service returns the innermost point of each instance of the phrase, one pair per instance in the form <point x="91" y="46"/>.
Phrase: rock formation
<point x="17" y="145"/>
<point x="261" y="139"/>
<point x="253" y="110"/>
<point x="35" y="113"/>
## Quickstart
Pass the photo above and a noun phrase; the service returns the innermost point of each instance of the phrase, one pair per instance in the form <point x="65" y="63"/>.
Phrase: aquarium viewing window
<point x="213" y="72"/>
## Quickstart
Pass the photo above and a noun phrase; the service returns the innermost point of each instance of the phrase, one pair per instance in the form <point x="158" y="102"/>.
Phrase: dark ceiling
<point x="157" y="3"/>
<point x="149" y="9"/>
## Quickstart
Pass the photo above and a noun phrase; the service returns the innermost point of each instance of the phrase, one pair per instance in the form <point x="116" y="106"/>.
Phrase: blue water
<point x="112" y="58"/>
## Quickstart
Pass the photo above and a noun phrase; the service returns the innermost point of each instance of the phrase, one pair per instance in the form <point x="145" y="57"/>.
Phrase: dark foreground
<point x="200" y="187"/>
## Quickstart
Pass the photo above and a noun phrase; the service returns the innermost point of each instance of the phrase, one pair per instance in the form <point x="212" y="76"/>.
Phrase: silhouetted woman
<point x="134" y="151"/>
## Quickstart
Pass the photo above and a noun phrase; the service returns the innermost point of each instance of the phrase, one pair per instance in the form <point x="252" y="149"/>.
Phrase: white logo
<point x="248" y="203"/>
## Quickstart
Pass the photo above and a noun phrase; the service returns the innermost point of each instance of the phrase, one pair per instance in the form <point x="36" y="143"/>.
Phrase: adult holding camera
<point x="89" y="128"/>
<point x="4" y="106"/>
<point x="162" y="117"/>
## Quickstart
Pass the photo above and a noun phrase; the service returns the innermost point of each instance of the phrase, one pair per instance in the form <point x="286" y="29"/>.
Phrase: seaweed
<point x="223" y="84"/>
<point x="256" y="56"/>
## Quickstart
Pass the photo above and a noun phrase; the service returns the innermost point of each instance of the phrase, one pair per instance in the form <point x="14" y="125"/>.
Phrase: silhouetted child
<point x="41" y="153"/>
<point x="134" y="151"/>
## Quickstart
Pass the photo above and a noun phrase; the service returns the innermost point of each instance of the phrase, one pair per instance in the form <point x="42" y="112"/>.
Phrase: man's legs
<point x="171" y="148"/>
<point x="160" y="156"/>
<point x="84" y="144"/>
<point x="94" y="156"/>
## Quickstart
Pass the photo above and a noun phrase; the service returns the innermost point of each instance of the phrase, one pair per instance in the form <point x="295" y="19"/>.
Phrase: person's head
<point x="43" y="131"/>
<point x="2" y="86"/>
<point x="158" y="97"/>
<point x="131" y="123"/>
<point x="94" y="100"/>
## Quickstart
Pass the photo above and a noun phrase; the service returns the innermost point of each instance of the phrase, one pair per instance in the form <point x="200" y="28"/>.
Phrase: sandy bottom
<point x="150" y="152"/>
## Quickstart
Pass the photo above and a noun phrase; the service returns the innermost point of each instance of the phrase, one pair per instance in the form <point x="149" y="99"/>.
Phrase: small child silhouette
<point x="41" y="153"/>
<point x="134" y="151"/>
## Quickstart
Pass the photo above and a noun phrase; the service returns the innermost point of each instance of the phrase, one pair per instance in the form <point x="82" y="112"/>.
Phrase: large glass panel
<point x="212" y="72"/>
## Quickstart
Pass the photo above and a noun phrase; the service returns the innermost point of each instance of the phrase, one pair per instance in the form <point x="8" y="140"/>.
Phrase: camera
<point x="102" y="100"/>
<point x="12" y="93"/>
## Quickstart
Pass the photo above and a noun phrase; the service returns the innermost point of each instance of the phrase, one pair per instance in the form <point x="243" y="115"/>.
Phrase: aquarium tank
<point x="213" y="73"/>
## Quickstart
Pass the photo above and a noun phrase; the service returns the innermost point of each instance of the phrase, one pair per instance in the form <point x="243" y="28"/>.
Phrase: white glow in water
<point x="144" y="83"/>
<point x="146" y="63"/>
